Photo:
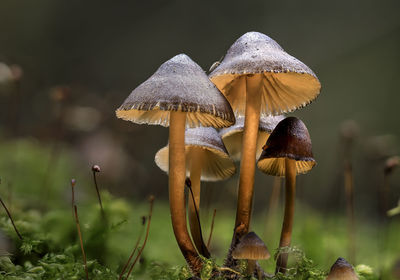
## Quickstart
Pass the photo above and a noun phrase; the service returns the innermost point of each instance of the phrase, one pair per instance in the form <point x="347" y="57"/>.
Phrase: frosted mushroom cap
<point x="216" y="163"/>
<point x="342" y="270"/>
<point x="251" y="247"/>
<point x="232" y="136"/>
<point x="178" y="85"/>
<point x="287" y="82"/>
<point x="290" y="139"/>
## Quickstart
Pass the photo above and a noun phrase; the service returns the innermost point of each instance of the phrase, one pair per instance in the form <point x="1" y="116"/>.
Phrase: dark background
<point x="94" y="53"/>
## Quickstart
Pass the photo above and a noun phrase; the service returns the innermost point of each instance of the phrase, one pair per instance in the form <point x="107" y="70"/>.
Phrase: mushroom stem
<point x="176" y="189"/>
<point x="251" y="266"/>
<point x="273" y="204"/>
<point x="194" y="204"/>
<point x="349" y="189"/>
<point x="248" y="161"/>
<point x="290" y="192"/>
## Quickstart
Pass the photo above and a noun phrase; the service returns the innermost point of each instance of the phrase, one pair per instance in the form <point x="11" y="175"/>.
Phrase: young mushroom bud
<point x="390" y="164"/>
<point x="251" y="248"/>
<point x="342" y="270"/>
<point x="96" y="168"/>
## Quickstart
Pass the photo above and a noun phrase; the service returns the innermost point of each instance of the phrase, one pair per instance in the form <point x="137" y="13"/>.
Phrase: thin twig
<point x="73" y="182"/>
<point x="230" y="270"/>
<point x="95" y="169"/>
<point x="134" y="249"/>
<point x="81" y="242"/>
<point x="211" y="229"/>
<point x="188" y="183"/>
<point x="11" y="219"/>
<point x="151" y="200"/>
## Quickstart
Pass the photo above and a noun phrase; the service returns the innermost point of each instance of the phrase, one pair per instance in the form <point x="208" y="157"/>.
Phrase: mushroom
<point x="258" y="77"/>
<point x="251" y="248"/>
<point x="206" y="159"/>
<point x="342" y="270"/>
<point x="177" y="95"/>
<point x="287" y="153"/>
<point x="232" y="136"/>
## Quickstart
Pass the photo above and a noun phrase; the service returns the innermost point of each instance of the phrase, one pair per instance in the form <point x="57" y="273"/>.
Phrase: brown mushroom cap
<point x="342" y="270"/>
<point x="251" y="247"/>
<point x="216" y="163"/>
<point x="178" y="85"/>
<point x="287" y="85"/>
<point x="232" y="136"/>
<point x="290" y="139"/>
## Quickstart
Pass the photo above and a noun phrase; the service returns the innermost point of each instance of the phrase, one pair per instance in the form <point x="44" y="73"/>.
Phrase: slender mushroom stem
<point x="194" y="204"/>
<point x="176" y="189"/>
<point x="349" y="189"/>
<point x="248" y="161"/>
<point x="251" y="266"/>
<point x="290" y="192"/>
<point x="273" y="203"/>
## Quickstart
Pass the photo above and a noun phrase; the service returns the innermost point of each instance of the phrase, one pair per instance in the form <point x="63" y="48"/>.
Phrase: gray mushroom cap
<point x="342" y="270"/>
<point x="287" y="85"/>
<point x="251" y="247"/>
<point x="216" y="164"/>
<point x="178" y="85"/>
<point x="232" y="136"/>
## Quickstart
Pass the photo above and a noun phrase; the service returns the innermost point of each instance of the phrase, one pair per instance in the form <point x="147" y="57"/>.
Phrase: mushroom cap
<point x="179" y="84"/>
<point x="216" y="163"/>
<point x="232" y="136"/>
<point x="290" y="139"/>
<point x="251" y="247"/>
<point x="342" y="270"/>
<point x="287" y="82"/>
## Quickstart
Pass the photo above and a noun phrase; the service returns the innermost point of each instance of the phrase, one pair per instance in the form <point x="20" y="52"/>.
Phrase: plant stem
<point x="151" y="200"/>
<point x="78" y="227"/>
<point x="98" y="194"/>
<point x="133" y="253"/>
<point x="194" y="203"/>
<point x="290" y="193"/>
<point x="176" y="190"/>
<point x="211" y="228"/>
<point x="11" y="219"/>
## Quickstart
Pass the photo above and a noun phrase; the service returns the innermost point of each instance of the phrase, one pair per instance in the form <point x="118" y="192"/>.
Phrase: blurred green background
<point x="81" y="59"/>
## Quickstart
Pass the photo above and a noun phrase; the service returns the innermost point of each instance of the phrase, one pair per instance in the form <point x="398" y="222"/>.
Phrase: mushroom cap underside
<point x="233" y="136"/>
<point x="216" y="164"/>
<point x="178" y="85"/>
<point x="287" y="82"/>
<point x="251" y="247"/>
<point x="290" y="139"/>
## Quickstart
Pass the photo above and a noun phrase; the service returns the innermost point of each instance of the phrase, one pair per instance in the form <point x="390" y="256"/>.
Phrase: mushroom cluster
<point x="245" y="97"/>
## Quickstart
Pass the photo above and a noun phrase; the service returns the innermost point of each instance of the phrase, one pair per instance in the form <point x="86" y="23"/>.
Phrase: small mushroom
<point x="251" y="248"/>
<point x="259" y="78"/>
<point x="206" y="159"/>
<point x="287" y="153"/>
<point x="342" y="270"/>
<point x="177" y="95"/>
<point x="233" y="135"/>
